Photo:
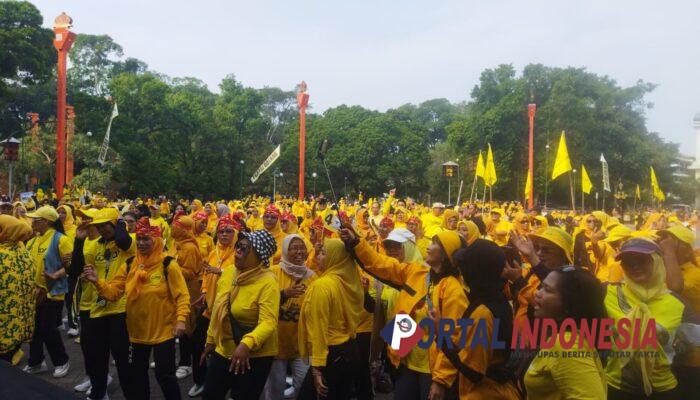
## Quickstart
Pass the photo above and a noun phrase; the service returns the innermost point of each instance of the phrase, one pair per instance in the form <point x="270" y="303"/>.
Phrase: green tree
<point x="26" y="60"/>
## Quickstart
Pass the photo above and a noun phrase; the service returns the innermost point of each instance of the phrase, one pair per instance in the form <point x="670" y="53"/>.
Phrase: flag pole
<point x="471" y="196"/>
<point x="571" y="189"/>
<point x="583" y="207"/>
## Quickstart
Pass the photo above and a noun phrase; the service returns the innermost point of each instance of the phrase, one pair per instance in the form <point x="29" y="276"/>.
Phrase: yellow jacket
<point x="95" y="255"/>
<point x="256" y="305"/>
<point x="448" y="296"/>
<point x="151" y="316"/>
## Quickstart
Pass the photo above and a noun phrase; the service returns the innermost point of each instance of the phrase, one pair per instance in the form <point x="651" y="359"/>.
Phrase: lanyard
<point x="108" y="261"/>
<point x="428" y="300"/>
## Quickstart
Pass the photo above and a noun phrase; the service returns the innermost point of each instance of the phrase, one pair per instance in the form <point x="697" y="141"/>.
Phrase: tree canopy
<point x="175" y="136"/>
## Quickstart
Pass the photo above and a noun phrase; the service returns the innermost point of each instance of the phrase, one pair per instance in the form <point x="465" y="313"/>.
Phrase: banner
<point x="606" y="175"/>
<point x="105" y="143"/>
<point x="25" y="196"/>
<point x="266" y="164"/>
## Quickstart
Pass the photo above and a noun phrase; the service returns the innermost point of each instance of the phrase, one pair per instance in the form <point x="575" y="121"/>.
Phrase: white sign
<point x="266" y="164"/>
<point x="606" y="175"/>
<point x="105" y="143"/>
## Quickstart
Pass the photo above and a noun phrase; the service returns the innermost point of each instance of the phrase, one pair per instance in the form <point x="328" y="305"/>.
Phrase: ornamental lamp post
<point x="63" y="40"/>
<point x="240" y="194"/>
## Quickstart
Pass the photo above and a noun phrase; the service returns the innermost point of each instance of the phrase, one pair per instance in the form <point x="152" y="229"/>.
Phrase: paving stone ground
<point x="77" y="374"/>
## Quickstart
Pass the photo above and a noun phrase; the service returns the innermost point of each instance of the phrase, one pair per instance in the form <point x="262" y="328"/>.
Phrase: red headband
<point x="226" y="221"/>
<point x="272" y="210"/>
<point x="415" y="219"/>
<point x="289" y="217"/>
<point x="176" y="220"/>
<point x="200" y="216"/>
<point x="144" y="228"/>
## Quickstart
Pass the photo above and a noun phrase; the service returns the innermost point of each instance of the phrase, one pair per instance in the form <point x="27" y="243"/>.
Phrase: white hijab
<point x="297" y="272"/>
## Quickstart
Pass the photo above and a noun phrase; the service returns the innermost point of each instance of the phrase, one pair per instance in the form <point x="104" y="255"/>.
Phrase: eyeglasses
<point x="568" y="268"/>
<point x="243" y="247"/>
<point x="524" y="221"/>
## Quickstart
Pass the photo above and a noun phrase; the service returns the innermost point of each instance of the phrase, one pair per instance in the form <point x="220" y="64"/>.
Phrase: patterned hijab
<point x="263" y="244"/>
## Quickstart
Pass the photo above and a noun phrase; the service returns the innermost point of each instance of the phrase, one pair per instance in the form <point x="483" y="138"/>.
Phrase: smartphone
<point x="512" y="255"/>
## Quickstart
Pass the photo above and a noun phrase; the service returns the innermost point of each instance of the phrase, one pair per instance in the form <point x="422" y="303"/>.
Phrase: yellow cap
<point x="682" y="233"/>
<point x="89" y="213"/>
<point x="105" y="215"/>
<point x="619" y="232"/>
<point x="559" y="237"/>
<point x="46" y="212"/>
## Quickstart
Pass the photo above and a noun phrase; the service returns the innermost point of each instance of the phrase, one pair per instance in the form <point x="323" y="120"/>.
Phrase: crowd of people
<point x="279" y="298"/>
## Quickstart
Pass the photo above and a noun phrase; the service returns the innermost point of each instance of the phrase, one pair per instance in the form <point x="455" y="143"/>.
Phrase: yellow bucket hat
<point x="559" y="237"/>
<point x="450" y="241"/>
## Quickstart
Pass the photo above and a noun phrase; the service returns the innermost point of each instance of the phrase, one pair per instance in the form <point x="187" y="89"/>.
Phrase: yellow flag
<point x="562" y="164"/>
<point x="528" y="185"/>
<point x="490" y="171"/>
<point x="586" y="184"/>
<point x="480" y="169"/>
<point x="638" y="193"/>
<point x="658" y="193"/>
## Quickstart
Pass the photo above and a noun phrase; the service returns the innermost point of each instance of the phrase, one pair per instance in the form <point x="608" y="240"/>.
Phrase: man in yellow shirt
<point x="51" y="252"/>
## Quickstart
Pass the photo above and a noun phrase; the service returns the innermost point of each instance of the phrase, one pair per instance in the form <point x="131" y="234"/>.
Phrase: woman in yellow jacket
<point x="329" y="318"/>
<point x="157" y="306"/>
<point x="643" y="296"/>
<point x="242" y="336"/>
<point x="437" y="290"/>
<point x="293" y="277"/>
<point x="189" y="258"/>
<point x="220" y="259"/>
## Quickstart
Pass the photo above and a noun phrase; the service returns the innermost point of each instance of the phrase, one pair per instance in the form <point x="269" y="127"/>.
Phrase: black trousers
<point x="139" y="359"/>
<point x="688" y="380"/>
<point x="363" y="385"/>
<point x="411" y="385"/>
<point x="72" y="318"/>
<point x="46" y="333"/>
<point x="199" y="338"/>
<point x="107" y="335"/>
<point x="243" y="386"/>
<point x="617" y="394"/>
<point x="186" y="351"/>
<point x="340" y="373"/>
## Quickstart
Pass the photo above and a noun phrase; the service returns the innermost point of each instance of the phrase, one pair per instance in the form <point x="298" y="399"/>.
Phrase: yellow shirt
<point x="479" y="358"/>
<point x="107" y="270"/>
<point x="552" y="376"/>
<point x="88" y="294"/>
<point x="256" y="304"/>
<point x="151" y="316"/>
<point x="288" y="325"/>
<point x="37" y="250"/>
<point x="323" y="321"/>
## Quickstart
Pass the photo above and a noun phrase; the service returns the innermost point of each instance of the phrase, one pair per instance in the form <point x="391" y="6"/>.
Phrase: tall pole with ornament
<point x="70" y="131"/>
<point x="62" y="41"/>
<point x="302" y="102"/>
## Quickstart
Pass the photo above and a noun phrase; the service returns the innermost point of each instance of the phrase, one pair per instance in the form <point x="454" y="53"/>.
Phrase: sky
<point x="384" y="53"/>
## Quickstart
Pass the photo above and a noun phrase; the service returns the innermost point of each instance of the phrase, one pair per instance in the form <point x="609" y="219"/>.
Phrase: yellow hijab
<point x="640" y="311"/>
<point x="13" y="230"/>
<point x="143" y="263"/>
<point x="472" y="231"/>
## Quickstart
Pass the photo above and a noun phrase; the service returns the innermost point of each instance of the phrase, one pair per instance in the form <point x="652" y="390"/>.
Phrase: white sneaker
<point x="36" y="369"/>
<point x="183" y="372"/>
<point x="196" y="390"/>
<point x="153" y="365"/>
<point x="109" y="382"/>
<point x="289" y="393"/>
<point x="83" y="387"/>
<point x="72" y="332"/>
<point x="61" y="370"/>
<point x="289" y="380"/>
